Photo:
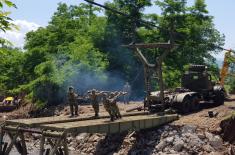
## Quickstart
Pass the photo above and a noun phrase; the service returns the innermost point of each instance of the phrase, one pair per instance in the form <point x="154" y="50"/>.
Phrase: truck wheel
<point x="195" y="103"/>
<point x="185" y="105"/>
<point x="219" y="98"/>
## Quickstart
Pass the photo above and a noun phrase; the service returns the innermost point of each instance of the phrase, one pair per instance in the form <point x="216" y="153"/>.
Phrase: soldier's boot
<point x="76" y="110"/>
<point x="71" y="110"/>
<point x="96" y="109"/>
<point x="116" y="116"/>
<point x="96" y="115"/>
<point x="111" y="118"/>
<point x="119" y="114"/>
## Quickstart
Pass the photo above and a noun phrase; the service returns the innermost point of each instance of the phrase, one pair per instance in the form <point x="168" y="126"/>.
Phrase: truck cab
<point x="198" y="79"/>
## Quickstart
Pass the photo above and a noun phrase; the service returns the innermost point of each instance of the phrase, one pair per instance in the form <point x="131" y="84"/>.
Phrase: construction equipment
<point x="9" y="104"/>
<point x="228" y="59"/>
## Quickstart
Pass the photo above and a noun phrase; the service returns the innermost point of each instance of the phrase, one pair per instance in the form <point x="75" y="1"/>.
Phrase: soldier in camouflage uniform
<point x="72" y="100"/>
<point x="108" y="107"/>
<point x="113" y="99"/>
<point x="93" y="95"/>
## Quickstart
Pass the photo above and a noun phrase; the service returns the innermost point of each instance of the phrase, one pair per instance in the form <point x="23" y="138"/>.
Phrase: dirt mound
<point x="228" y="128"/>
<point x="21" y="112"/>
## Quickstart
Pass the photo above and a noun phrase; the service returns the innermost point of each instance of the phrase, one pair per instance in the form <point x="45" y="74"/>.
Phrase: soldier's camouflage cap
<point x="71" y="87"/>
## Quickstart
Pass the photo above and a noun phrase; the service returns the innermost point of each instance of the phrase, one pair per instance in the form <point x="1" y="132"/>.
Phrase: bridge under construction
<point x="54" y="130"/>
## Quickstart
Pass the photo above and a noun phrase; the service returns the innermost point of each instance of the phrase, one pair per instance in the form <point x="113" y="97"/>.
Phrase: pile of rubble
<point x="187" y="139"/>
<point x="228" y="128"/>
<point x="169" y="139"/>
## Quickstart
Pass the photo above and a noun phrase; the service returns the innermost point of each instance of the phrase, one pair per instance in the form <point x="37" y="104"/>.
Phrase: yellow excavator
<point x="229" y="57"/>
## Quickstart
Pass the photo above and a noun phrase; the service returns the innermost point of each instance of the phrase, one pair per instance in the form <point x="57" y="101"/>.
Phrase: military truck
<point x="196" y="86"/>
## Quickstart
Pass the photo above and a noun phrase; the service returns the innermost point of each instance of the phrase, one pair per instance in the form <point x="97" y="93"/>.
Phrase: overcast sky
<point x="31" y="14"/>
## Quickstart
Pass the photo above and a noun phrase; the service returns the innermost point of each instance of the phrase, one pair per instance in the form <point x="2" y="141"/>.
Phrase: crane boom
<point x="225" y="67"/>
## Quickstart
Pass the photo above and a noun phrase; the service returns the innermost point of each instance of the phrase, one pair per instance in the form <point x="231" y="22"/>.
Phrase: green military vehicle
<point x="196" y="86"/>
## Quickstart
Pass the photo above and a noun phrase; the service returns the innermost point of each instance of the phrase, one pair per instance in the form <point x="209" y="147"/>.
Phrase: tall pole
<point x="160" y="80"/>
<point x="160" y="60"/>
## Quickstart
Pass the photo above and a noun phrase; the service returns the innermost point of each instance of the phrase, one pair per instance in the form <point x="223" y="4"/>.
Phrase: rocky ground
<point x="192" y="134"/>
<point x="168" y="139"/>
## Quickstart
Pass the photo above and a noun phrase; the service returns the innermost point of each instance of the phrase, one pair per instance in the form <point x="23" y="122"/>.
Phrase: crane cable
<point x="147" y="23"/>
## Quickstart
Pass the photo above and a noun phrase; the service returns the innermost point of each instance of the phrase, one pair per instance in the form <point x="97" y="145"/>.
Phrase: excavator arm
<point x="225" y="68"/>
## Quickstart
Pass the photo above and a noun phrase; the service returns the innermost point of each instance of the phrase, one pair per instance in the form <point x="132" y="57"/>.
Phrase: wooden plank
<point x="125" y="126"/>
<point x="24" y="148"/>
<point x="103" y="128"/>
<point x="104" y="125"/>
<point x="136" y="125"/>
<point x="36" y="122"/>
<point x="12" y="143"/>
<point x="68" y="125"/>
<point x="56" y="145"/>
<point x="66" y="151"/>
<point x="42" y="142"/>
<point x="1" y="140"/>
<point x="113" y="128"/>
<point x="126" y="123"/>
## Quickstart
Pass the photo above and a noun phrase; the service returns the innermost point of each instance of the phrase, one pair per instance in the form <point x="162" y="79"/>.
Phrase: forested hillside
<point x="82" y="49"/>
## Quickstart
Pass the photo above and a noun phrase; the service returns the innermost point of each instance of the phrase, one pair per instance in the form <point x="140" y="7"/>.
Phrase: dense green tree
<point x="64" y="50"/>
<point x="82" y="49"/>
<point x="5" y="21"/>
<point x="193" y="31"/>
<point x="11" y="70"/>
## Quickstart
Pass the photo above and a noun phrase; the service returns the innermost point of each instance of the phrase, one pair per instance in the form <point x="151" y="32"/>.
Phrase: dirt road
<point x="203" y="121"/>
